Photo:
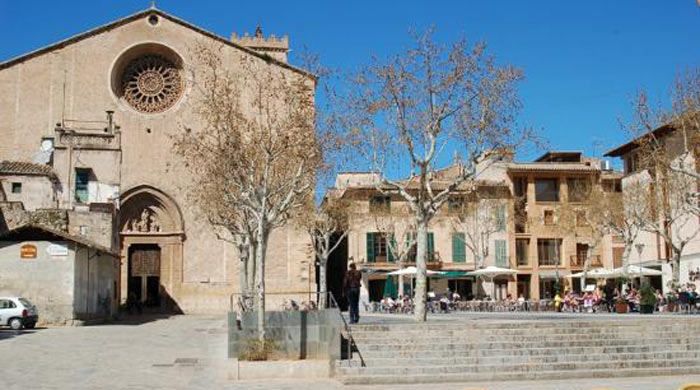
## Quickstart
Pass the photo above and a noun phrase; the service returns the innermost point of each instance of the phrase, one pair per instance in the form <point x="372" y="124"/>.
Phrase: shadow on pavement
<point x="143" y="318"/>
<point x="6" y="334"/>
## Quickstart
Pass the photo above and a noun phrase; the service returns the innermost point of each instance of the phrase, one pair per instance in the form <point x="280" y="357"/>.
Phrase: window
<point x="376" y="247"/>
<point x="520" y="186"/>
<point x="548" y="251"/>
<point x="82" y="177"/>
<point x="454" y="205"/>
<point x="617" y="253"/>
<point x="521" y="248"/>
<point x="549" y="217"/>
<point x="7" y="304"/>
<point x="459" y="253"/>
<point x="581" y="218"/>
<point x="501" y="217"/>
<point x="431" y="255"/>
<point x="546" y="190"/>
<point x="501" y="253"/>
<point x="16" y="188"/>
<point x="578" y="189"/>
<point x="581" y="253"/>
<point x="380" y="204"/>
<point x="631" y="163"/>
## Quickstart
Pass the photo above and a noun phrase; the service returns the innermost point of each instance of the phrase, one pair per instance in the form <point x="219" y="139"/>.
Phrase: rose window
<point x="151" y="84"/>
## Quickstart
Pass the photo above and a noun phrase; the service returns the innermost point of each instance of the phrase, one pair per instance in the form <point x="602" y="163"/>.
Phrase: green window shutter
<point x="501" y="256"/>
<point x="431" y="247"/>
<point x="501" y="217"/>
<point x="459" y="254"/>
<point x="370" y="247"/>
<point x="389" y="251"/>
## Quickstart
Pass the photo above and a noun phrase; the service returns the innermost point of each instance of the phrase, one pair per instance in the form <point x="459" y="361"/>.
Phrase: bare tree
<point x="408" y="109"/>
<point x="400" y="236"/>
<point x="254" y="153"/>
<point x="327" y="225"/>
<point x="479" y="219"/>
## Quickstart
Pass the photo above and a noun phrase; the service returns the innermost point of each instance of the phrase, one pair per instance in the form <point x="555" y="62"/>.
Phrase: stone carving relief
<point x="151" y="83"/>
<point x="147" y="222"/>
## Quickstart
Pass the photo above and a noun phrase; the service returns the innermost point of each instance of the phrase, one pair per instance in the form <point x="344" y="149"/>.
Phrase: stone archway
<point x="152" y="234"/>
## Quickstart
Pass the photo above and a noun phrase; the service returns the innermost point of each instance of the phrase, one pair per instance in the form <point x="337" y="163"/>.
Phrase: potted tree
<point x="621" y="305"/>
<point x="647" y="302"/>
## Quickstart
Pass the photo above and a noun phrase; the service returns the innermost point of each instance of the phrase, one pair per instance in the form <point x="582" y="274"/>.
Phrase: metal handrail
<point x="351" y="340"/>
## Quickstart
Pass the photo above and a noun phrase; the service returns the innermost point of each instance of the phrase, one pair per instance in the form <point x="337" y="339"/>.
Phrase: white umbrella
<point x="636" y="271"/>
<point x="491" y="272"/>
<point x="412" y="271"/>
<point x="597" y="273"/>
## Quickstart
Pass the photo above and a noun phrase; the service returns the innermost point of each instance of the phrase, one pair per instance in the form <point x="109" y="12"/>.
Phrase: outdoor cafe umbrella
<point x="597" y="273"/>
<point x="636" y="271"/>
<point x="411" y="271"/>
<point x="491" y="272"/>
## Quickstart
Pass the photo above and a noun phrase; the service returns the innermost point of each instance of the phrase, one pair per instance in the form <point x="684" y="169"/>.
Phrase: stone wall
<point x="298" y="334"/>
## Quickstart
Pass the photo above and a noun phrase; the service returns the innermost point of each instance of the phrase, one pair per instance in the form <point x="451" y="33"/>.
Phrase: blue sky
<point x="584" y="61"/>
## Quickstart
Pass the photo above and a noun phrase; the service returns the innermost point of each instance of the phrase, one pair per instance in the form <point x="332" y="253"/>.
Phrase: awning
<point x="453" y="274"/>
<point x="552" y="274"/>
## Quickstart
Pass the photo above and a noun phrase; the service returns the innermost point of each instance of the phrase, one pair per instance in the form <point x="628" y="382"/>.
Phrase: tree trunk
<point x="322" y="287"/>
<point x="586" y="265"/>
<point x="420" y="313"/>
<point x="260" y="279"/>
<point x="244" y="253"/>
<point x="401" y="292"/>
<point x="676" y="267"/>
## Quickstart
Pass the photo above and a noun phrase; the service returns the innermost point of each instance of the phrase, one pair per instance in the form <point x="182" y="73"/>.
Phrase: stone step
<point x="685" y="322"/>
<point x="425" y="345"/>
<point x="537" y="351"/>
<point x="525" y="331"/>
<point x="465" y="338"/>
<point x="516" y="359"/>
<point x="522" y="367"/>
<point x="503" y="375"/>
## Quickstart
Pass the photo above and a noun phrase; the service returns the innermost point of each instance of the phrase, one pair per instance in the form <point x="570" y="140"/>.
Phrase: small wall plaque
<point x="27" y="251"/>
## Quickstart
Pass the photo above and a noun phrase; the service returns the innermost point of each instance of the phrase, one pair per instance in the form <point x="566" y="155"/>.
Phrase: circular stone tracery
<point x="151" y="83"/>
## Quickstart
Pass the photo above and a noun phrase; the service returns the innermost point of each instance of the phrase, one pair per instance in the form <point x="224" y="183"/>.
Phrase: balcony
<point x="579" y="261"/>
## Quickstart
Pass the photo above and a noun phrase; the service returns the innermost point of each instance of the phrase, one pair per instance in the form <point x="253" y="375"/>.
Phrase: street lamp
<point x="640" y="249"/>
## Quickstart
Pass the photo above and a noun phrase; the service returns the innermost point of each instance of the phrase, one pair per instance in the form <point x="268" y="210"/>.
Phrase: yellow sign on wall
<point x="27" y="251"/>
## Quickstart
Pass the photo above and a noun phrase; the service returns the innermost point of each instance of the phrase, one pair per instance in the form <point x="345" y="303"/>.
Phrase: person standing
<point x="351" y="287"/>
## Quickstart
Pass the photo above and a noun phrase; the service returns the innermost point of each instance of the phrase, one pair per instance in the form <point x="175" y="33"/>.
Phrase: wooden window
<point x="546" y="190"/>
<point x="16" y="188"/>
<point x="501" y="253"/>
<point x="521" y="249"/>
<point x="549" y="217"/>
<point x="459" y="253"/>
<point x="376" y="247"/>
<point x="380" y="204"/>
<point x="82" y="178"/>
<point x="578" y="189"/>
<point x="548" y="251"/>
<point x="617" y="256"/>
<point x="501" y="217"/>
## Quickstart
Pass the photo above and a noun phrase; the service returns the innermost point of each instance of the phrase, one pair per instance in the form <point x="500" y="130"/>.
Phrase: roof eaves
<point x="64" y="235"/>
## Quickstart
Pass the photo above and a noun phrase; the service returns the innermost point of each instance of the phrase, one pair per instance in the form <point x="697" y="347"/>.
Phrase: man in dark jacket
<point x="351" y="287"/>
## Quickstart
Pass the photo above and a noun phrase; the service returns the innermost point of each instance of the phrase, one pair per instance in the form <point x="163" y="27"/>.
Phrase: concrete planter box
<point x="313" y="335"/>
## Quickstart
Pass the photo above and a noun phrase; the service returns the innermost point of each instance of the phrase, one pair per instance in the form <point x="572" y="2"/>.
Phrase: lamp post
<point x="640" y="249"/>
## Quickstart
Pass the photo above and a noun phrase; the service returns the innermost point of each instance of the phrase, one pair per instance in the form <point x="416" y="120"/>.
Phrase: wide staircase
<point x="523" y="350"/>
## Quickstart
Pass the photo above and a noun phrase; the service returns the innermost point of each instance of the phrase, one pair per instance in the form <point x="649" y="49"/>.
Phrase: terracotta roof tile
<point x="26" y="168"/>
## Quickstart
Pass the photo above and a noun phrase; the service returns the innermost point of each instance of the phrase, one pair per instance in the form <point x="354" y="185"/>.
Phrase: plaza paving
<point x="189" y="352"/>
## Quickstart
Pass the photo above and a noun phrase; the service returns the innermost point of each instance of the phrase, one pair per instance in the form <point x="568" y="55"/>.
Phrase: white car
<point x="17" y="313"/>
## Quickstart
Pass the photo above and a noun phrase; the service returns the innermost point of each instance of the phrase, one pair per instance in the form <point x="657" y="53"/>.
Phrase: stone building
<point x="650" y="249"/>
<point x="98" y="111"/>
<point x="70" y="279"/>
<point x="523" y="197"/>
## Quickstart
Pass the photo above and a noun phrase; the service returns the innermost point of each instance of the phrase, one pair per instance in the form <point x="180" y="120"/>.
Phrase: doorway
<point x="144" y="274"/>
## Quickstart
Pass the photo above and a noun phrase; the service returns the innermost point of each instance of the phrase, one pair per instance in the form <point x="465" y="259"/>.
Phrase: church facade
<point x="100" y="109"/>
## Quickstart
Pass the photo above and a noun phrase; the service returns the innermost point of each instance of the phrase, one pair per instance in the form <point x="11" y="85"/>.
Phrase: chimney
<point x="272" y="46"/>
